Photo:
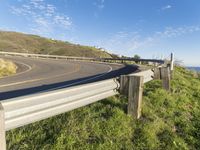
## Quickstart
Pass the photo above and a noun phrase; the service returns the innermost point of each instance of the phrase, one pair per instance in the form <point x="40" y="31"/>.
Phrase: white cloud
<point x="37" y="4"/>
<point x="127" y="43"/>
<point x="50" y="10"/>
<point x="100" y="4"/>
<point x="170" y="32"/>
<point x="24" y="10"/>
<point x="166" y="7"/>
<point x="43" y="17"/>
<point x="42" y="22"/>
<point x="62" y="21"/>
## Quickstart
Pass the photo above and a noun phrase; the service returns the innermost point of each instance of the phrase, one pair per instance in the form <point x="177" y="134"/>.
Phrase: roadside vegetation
<point x="7" y="68"/>
<point x="169" y="121"/>
<point x="26" y="43"/>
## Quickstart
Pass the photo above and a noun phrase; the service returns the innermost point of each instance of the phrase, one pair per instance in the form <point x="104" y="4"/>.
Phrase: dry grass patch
<point x="7" y="68"/>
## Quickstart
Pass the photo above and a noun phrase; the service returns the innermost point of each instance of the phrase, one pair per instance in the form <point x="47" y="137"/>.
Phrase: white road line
<point x="33" y="80"/>
<point x="40" y="79"/>
<point x="92" y="77"/>
<point x="22" y="82"/>
<point x="65" y="86"/>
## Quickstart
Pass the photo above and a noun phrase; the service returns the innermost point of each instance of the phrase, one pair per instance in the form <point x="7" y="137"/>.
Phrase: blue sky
<point x="150" y="28"/>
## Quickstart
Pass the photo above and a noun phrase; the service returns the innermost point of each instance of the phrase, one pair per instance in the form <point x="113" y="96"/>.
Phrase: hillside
<point x="18" y="42"/>
<point x="169" y="121"/>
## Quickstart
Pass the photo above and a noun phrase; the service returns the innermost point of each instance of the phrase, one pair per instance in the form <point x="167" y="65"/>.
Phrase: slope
<point x="19" y="42"/>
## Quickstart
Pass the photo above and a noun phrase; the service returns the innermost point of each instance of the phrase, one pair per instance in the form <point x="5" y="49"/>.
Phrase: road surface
<point x="41" y="75"/>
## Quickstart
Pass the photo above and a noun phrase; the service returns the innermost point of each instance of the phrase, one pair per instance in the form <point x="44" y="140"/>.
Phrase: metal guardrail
<point x="46" y="56"/>
<point x="136" y="60"/>
<point x="20" y="111"/>
<point x="24" y="110"/>
<point x="148" y="75"/>
<point x="81" y="58"/>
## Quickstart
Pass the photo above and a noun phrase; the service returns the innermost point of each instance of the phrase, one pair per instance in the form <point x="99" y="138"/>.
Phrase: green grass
<point x="170" y="121"/>
<point x="7" y="68"/>
<point x="18" y="42"/>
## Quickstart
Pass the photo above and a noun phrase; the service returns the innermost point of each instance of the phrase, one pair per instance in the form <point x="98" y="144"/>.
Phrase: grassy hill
<point x="169" y="121"/>
<point x="18" y="42"/>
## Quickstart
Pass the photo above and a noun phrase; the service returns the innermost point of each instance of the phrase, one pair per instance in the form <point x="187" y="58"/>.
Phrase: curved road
<point x="40" y="75"/>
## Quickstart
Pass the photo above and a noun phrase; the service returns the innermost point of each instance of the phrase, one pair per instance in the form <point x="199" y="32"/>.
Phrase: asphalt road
<point x="41" y="75"/>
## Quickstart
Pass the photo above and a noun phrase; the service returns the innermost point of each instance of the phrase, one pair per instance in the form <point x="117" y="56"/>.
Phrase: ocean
<point x="194" y="68"/>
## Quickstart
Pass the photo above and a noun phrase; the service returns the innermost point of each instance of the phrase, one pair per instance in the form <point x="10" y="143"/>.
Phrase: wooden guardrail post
<point x="172" y="64"/>
<point x="165" y="76"/>
<point x="124" y="85"/>
<point x="157" y="73"/>
<point x="2" y="129"/>
<point x="132" y="87"/>
<point x="135" y="92"/>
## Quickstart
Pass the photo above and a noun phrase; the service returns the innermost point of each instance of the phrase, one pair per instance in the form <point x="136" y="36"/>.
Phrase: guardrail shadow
<point x="55" y="86"/>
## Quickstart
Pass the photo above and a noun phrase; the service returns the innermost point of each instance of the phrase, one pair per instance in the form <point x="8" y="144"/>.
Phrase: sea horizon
<point x="194" y="68"/>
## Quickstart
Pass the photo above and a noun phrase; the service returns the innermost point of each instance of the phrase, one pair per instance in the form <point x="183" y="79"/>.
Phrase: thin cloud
<point x="166" y="7"/>
<point x="42" y="22"/>
<point x="62" y="21"/>
<point x="100" y="4"/>
<point x="171" y="32"/>
<point x="126" y="41"/>
<point x="130" y="42"/>
<point x="43" y="17"/>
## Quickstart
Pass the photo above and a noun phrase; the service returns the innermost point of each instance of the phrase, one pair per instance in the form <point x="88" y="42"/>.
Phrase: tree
<point x="136" y="56"/>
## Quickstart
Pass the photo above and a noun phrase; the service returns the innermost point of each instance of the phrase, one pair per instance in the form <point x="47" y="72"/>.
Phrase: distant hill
<point x="194" y="68"/>
<point x="19" y="42"/>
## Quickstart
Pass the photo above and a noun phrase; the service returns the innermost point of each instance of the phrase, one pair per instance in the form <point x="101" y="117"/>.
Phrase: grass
<point x="169" y="121"/>
<point x="7" y="68"/>
<point x="18" y="42"/>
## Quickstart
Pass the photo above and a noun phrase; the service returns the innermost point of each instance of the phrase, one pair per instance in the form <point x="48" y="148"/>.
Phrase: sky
<point x="149" y="28"/>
